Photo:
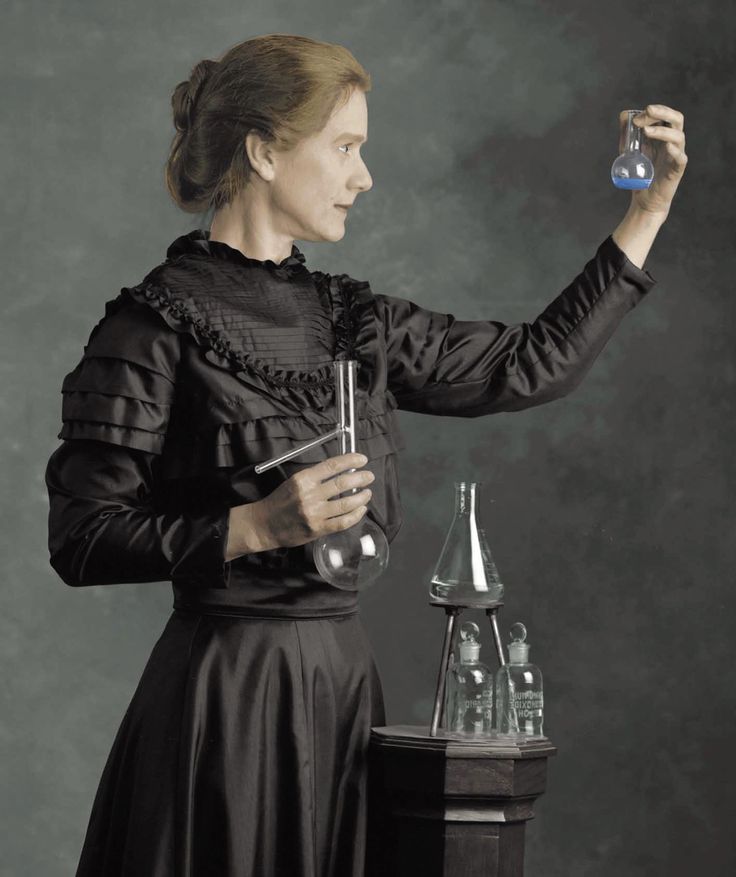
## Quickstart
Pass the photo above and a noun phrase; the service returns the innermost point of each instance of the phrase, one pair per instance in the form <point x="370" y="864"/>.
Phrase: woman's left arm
<point x="437" y="364"/>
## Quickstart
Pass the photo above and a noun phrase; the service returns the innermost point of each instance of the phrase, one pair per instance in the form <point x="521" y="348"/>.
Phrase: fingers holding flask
<point x="662" y="143"/>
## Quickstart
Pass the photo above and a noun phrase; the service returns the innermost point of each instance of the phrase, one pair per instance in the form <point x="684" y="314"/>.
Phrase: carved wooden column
<point x="442" y="807"/>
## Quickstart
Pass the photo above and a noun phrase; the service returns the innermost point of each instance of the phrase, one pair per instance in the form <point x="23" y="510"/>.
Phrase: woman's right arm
<point x="103" y="524"/>
<point x="103" y="528"/>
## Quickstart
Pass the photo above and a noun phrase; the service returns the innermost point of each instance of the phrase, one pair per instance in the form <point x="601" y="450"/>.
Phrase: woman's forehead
<point x="351" y="119"/>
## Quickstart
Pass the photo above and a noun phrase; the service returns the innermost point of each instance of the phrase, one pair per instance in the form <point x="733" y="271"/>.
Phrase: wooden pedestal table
<point x="445" y="807"/>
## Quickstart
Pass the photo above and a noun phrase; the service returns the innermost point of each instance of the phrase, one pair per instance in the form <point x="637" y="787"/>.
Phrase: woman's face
<point x="320" y="173"/>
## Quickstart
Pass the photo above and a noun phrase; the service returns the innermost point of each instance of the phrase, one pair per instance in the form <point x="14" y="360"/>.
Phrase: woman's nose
<point x="364" y="180"/>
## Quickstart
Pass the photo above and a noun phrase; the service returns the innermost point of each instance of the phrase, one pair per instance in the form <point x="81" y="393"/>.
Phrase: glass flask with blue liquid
<point x="632" y="169"/>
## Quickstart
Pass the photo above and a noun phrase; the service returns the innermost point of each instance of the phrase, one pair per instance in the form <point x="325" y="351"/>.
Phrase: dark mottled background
<point x="492" y="129"/>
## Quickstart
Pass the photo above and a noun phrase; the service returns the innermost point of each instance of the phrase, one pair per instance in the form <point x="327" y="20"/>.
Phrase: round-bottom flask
<point x="352" y="559"/>
<point x="349" y="559"/>
<point x="632" y="169"/>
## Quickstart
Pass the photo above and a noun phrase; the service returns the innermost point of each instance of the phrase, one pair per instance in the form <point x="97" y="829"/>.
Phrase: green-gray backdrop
<point x="492" y="129"/>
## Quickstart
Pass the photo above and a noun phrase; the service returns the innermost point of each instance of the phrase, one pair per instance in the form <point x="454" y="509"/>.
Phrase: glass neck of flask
<point x="466" y="498"/>
<point x="633" y="133"/>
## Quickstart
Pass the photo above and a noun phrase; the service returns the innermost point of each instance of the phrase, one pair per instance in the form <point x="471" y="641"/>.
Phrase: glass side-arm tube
<point x="299" y="449"/>
<point x="345" y="429"/>
<point x="345" y="378"/>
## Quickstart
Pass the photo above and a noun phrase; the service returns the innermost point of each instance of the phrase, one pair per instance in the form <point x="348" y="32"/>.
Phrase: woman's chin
<point x="336" y="233"/>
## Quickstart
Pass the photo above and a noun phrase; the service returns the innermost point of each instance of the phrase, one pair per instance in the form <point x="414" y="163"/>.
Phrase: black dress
<point x="242" y="752"/>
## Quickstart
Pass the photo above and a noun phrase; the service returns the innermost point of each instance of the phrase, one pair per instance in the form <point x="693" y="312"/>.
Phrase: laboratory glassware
<point x="349" y="559"/>
<point x="519" y="695"/>
<point x="469" y="706"/>
<point x="465" y="577"/>
<point x="466" y="573"/>
<point x="632" y="169"/>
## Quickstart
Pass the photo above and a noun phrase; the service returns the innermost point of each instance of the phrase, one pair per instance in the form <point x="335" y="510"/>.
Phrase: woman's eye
<point x="345" y="146"/>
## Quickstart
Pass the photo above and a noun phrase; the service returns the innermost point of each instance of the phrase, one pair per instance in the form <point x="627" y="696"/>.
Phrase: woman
<point x="243" y="749"/>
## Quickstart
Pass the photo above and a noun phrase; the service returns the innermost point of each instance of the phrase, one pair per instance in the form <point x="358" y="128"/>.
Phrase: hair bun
<point x="186" y="94"/>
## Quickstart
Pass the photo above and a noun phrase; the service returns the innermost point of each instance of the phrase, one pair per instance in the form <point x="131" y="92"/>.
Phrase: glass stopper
<point x="469" y="631"/>
<point x="517" y="632"/>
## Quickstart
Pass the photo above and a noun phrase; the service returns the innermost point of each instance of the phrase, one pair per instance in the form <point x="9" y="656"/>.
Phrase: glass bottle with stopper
<point x="469" y="706"/>
<point x="519" y="696"/>
<point x="632" y="169"/>
<point x="349" y="559"/>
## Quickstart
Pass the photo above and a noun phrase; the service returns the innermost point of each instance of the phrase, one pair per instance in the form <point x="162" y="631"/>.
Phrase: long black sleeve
<point x="464" y="368"/>
<point x="103" y="528"/>
<point x="105" y="525"/>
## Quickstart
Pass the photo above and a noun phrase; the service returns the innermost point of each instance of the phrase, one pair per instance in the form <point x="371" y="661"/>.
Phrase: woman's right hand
<point x="302" y="508"/>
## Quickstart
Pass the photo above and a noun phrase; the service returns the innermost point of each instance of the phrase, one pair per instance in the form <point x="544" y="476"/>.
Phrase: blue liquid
<point x="631" y="183"/>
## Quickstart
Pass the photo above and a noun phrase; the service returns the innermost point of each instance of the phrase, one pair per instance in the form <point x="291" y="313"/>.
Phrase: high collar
<point x="198" y="243"/>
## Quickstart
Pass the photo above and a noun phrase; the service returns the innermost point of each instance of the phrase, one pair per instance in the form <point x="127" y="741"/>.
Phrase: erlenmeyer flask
<point x="465" y="574"/>
<point x="632" y="169"/>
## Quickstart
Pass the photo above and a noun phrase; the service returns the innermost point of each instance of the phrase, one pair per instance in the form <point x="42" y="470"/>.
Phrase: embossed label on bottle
<point x="527" y="704"/>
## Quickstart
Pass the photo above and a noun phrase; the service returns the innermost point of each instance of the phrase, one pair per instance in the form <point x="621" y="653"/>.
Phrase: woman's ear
<point x="260" y="155"/>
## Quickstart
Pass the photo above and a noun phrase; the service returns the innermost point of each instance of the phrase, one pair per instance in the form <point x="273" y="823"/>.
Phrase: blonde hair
<point x="284" y="87"/>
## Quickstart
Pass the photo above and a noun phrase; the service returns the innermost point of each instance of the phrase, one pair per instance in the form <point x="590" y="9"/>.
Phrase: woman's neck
<point x="246" y="226"/>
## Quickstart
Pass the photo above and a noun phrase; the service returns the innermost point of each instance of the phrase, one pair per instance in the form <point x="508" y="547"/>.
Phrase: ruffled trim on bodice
<point x="354" y="326"/>
<point x="197" y="243"/>
<point x="123" y="390"/>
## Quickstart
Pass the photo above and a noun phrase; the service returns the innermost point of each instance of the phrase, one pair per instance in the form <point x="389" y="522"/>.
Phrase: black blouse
<point x="216" y="361"/>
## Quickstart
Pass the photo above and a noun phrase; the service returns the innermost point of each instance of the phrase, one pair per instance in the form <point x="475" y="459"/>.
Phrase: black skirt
<point x="242" y="753"/>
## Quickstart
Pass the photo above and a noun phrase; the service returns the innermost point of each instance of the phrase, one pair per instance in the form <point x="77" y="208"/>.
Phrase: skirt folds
<point x="243" y="753"/>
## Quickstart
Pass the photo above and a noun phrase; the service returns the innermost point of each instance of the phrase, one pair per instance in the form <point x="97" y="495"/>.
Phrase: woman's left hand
<point x="664" y="143"/>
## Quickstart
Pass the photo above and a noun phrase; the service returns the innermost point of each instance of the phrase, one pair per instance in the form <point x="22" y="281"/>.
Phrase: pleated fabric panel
<point x="290" y="325"/>
<point x="122" y="389"/>
<point x="279" y="316"/>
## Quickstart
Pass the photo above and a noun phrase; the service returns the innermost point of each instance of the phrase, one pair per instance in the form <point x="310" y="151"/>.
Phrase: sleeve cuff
<point x="203" y="564"/>
<point x="639" y="278"/>
<point x="221" y="528"/>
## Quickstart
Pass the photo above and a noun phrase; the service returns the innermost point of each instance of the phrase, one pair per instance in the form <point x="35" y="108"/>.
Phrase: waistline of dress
<point x="200" y="608"/>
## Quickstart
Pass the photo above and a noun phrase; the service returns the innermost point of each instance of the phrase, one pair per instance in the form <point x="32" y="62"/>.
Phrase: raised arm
<point x="438" y="364"/>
